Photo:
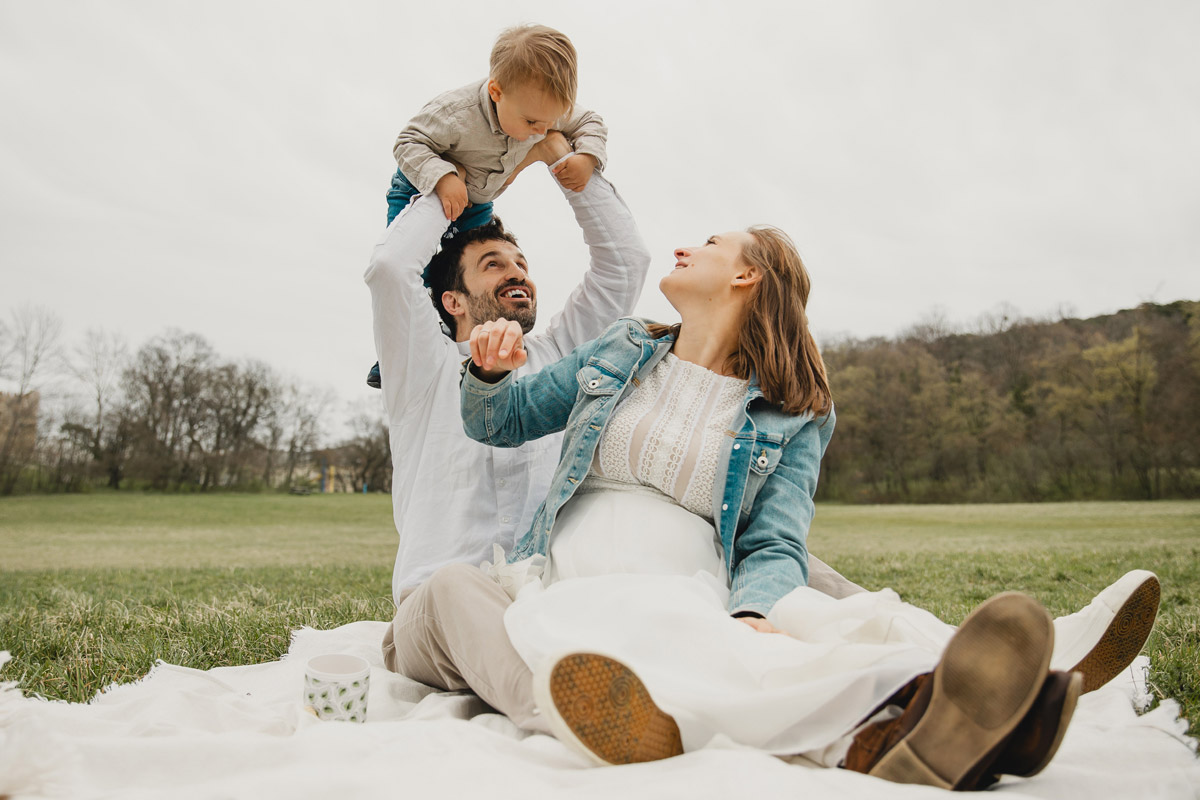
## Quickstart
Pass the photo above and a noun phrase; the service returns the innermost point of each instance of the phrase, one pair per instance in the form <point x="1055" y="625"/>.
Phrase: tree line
<point x="1020" y="410"/>
<point x="172" y="416"/>
<point x="1013" y="410"/>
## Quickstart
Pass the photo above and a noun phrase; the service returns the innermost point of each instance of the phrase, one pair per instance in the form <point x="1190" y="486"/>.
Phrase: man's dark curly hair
<point x="445" y="270"/>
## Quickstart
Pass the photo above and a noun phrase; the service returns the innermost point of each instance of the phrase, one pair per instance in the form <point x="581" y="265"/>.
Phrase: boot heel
<point x="902" y="765"/>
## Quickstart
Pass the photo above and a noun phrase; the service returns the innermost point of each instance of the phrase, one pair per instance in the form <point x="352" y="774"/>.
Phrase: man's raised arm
<point x="613" y="283"/>
<point x="408" y="332"/>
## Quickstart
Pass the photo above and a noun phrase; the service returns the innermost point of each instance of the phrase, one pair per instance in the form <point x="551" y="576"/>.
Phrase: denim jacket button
<point x="737" y="446"/>
<point x="724" y="506"/>
<point x="593" y="383"/>
<point x="762" y="461"/>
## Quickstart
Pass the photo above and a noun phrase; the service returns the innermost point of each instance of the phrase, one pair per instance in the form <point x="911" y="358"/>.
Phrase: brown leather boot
<point x="962" y="717"/>
<point x="1027" y="752"/>
<point x="1036" y="739"/>
<point x="873" y="741"/>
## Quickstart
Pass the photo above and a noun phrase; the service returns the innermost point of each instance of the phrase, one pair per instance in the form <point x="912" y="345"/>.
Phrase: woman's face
<point x="705" y="272"/>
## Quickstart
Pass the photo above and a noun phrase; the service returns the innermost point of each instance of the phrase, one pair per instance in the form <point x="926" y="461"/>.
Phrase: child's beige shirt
<point x="461" y="126"/>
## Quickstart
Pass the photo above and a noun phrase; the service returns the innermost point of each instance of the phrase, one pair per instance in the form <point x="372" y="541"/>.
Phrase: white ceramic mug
<point x="335" y="687"/>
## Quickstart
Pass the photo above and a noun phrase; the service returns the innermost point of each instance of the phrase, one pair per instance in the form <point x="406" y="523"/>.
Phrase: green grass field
<point x="94" y="588"/>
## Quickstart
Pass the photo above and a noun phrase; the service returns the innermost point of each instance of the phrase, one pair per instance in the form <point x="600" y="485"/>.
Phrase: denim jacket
<point x="768" y="468"/>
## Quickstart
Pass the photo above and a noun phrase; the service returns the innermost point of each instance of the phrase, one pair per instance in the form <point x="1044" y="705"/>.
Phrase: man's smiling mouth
<point x="516" y="293"/>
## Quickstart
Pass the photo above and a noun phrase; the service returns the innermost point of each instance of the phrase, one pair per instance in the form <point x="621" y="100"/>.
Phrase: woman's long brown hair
<point x="774" y="343"/>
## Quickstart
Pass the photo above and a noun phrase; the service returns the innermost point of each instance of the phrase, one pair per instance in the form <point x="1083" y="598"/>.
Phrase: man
<point x="453" y="499"/>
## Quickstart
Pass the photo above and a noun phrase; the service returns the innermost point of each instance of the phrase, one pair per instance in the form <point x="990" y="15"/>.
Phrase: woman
<point x="676" y="522"/>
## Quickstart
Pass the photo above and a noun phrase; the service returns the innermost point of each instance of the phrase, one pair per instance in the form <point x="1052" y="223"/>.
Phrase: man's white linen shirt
<point x="453" y="498"/>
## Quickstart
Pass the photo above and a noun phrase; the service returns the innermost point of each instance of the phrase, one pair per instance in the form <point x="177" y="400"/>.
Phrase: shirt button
<point x="506" y="519"/>
<point x="502" y="483"/>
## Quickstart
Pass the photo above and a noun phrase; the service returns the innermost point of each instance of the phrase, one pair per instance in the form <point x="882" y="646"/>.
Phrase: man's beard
<point x="485" y="307"/>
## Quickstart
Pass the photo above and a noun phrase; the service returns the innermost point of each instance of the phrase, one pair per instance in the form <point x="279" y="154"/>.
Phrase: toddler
<point x="468" y="144"/>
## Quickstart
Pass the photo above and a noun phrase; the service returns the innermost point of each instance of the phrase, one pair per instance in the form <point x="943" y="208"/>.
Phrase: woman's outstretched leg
<point x="991" y="705"/>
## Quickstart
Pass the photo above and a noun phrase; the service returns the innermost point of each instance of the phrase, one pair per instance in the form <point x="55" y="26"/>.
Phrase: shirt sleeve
<point x="588" y="134"/>
<point x="770" y="556"/>
<point x="408" y="334"/>
<point x="513" y="411"/>
<point x="619" y="261"/>
<point x="420" y="146"/>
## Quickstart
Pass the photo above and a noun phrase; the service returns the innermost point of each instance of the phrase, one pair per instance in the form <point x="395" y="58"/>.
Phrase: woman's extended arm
<point x="506" y="412"/>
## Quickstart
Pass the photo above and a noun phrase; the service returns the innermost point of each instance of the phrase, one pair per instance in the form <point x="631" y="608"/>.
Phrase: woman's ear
<point x="747" y="275"/>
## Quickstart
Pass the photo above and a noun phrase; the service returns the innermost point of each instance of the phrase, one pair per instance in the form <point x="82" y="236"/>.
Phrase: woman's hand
<point x="497" y="348"/>
<point x="759" y="624"/>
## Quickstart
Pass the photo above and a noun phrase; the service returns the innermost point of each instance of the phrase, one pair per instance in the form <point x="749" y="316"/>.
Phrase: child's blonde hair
<point x="536" y="54"/>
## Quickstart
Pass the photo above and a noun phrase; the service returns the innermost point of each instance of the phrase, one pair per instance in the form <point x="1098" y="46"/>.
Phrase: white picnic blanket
<point x="239" y="732"/>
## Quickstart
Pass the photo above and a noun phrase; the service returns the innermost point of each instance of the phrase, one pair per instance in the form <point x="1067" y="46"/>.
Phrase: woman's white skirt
<point x="634" y="580"/>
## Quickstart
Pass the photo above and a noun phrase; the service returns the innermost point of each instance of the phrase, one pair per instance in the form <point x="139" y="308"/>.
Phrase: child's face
<point x="524" y="111"/>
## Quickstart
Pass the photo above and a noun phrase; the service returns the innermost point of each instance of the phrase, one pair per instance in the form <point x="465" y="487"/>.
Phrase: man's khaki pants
<point x="449" y="632"/>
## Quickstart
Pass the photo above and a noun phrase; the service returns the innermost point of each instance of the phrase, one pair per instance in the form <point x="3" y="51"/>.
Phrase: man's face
<point x="498" y="285"/>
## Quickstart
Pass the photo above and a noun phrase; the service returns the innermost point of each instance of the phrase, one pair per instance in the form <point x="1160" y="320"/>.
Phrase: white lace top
<point x="667" y="434"/>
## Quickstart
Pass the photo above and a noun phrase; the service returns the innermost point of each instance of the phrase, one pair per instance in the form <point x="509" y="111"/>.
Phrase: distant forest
<point x="1018" y="410"/>
<point x="1021" y="410"/>
<point x="174" y="416"/>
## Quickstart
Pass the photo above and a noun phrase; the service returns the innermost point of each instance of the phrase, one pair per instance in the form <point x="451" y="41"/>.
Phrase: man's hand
<point x="453" y="193"/>
<point x="497" y="348"/>
<point x="550" y="149"/>
<point x="759" y="624"/>
<point x="576" y="171"/>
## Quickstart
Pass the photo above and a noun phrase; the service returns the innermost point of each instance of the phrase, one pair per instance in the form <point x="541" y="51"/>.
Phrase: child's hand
<point x="453" y="193"/>
<point x="576" y="171"/>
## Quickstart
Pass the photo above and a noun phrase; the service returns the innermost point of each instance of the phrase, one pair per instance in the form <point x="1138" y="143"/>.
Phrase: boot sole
<point x="1122" y="641"/>
<point x="599" y="705"/>
<point x="988" y="678"/>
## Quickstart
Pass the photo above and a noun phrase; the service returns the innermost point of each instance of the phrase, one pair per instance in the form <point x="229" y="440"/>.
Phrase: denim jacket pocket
<point x="599" y="378"/>
<point x="764" y="458"/>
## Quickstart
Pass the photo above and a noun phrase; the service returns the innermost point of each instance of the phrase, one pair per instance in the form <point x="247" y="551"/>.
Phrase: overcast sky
<point x="221" y="167"/>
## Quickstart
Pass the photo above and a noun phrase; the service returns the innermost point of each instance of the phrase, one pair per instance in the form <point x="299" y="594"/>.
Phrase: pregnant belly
<point x="610" y="532"/>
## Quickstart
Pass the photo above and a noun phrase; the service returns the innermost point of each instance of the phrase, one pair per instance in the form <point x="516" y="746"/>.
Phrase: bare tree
<point x="237" y="398"/>
<point x="304" y="410"/>
<point x="97" y="363"/>
<point x="367" y="456"/>
<point x="933" y="325"/>
<point x="164" y="387"/>
<point x="28" y="346"/>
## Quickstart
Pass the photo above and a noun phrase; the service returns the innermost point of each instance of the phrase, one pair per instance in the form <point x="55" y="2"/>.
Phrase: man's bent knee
<point x="449" y="583"/>
<point x="421" y="611"/>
